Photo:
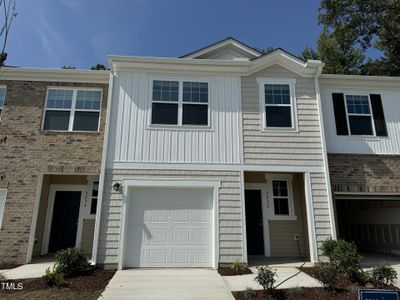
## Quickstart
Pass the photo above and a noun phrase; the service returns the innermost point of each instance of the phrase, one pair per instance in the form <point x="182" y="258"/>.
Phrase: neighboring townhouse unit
<point x="51" y="136"/>
<point x="213" y="157"/>
<point x="362" y="127"/>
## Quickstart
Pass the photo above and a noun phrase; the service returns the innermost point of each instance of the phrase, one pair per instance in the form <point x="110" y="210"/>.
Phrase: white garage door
<point x="169" y="227"/>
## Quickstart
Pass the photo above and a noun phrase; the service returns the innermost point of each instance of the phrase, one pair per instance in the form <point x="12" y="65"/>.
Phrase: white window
<point x="3" y="195"/>
<point x="277" y="103"/>
<point x="180" y="102"/>
<point x="2" y="97"/>
<point x="359" y="115"/>
<point x="95" y="194"/>
<point x="72" y="109"/>
<point x="280" y="196"/>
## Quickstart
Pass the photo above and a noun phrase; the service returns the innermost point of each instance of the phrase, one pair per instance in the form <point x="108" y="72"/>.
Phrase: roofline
<point x="168" y="64"/>
<point x="54" y="75"/>
<point x="283" y="50"/>
<point x="222" y="41"/>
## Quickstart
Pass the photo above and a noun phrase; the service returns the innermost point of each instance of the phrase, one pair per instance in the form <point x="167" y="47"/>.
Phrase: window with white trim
<point x="359" y="115"/>
<point x="277" y="100"/>
<point x="180" y="103"/>
<point x="3" y="195"/>
<point x="2" y="97"/>
<point x="280" y="193"/>
<point x="72" y="109"/>
<point x="95" y="194"/>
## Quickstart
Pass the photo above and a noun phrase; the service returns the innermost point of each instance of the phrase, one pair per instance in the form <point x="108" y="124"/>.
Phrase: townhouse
<point x="361" y="116"/>
<point x="51" y="130"/>
<point x="213" y="157"/>
<point x="223" y="154"/>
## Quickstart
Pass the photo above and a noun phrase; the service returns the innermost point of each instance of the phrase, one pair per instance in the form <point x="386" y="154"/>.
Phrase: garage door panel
<point x="169" y="228"/>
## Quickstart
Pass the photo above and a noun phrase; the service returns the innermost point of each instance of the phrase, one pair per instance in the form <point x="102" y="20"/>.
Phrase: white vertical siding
<point x="132" y="140"/>
<point x="359" y="144"/>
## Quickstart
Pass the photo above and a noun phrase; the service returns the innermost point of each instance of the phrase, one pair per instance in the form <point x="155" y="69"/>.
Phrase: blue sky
<point x="53" y="33"/>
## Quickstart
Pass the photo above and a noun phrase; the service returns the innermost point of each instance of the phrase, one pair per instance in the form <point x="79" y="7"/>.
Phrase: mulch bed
<point x="346" y="290"/>
<point x="227" y="271"/>
<point x="93" y="282"/>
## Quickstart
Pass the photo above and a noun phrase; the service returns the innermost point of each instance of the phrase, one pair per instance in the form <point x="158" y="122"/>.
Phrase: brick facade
<point x="364" y="173"/>
<point x="28" y="152"/>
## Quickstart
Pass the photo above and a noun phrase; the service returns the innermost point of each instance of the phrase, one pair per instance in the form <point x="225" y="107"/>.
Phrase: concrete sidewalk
<point x="145" y="284"/>
<point x="34" y="270"/>
<point x="240" y="283"/>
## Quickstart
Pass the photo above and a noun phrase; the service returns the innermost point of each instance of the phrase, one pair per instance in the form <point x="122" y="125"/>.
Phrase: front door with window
<point x="254" y="222"/>
<point x="64" y="223"/>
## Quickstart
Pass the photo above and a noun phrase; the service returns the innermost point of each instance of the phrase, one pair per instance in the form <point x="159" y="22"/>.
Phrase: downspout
<point x="96" y="235"/>
<point x="325" y="155"/>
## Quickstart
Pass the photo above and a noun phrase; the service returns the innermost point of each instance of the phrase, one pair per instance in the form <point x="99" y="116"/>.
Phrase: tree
<point x="98" y="67"/>
<point x="8" y="8"/>
<point x="308" y="53"/>
<point x="366" y="24"/>
<point x="68" y="67"/>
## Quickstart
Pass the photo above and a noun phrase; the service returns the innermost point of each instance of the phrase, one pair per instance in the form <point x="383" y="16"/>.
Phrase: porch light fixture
<point x="117" y="186"/>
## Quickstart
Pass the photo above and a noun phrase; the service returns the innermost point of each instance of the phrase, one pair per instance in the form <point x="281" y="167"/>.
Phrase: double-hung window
<point x="277" y="101"/>
<point x="72" y="109"/>
<point x="359" y="115"/>
<point x="2" y="97"/>
<point x="180" y="103"/>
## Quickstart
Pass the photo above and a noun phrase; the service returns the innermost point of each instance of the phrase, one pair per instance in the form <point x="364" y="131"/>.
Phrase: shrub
<point x="383" y="274"/>
<point x="250" y="293"/>
<point x="71" y="262"/>
<point x="266" y="278"/>
<point x="344" y="257"/>
<point x="327" y="274"/>
<point x="238" y="266"/>
<point x="54" y="277"/>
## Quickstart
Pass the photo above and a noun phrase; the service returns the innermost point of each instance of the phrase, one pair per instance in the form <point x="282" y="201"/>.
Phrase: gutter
<point x="97" y="226"/>
<point x="325" y="155"/>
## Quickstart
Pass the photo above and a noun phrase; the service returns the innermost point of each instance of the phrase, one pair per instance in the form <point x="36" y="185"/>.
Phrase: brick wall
<point x="364" y="173"/>
<point x="28" y="152"/>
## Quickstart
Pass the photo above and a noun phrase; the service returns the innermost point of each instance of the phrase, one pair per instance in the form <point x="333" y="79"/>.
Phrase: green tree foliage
<point x="351" y="27"/>
<point x="68" y="67"/>
<point x="98" y="67"/>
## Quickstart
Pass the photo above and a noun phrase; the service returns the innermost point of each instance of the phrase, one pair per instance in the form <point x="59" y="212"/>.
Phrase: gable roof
<point x="229" y="42"/>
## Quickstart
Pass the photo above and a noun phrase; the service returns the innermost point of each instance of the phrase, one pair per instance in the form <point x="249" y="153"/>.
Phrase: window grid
<point x="280" y="191"/>
<point x="59" y="97"/>
<point x="277" y="96"/>
<point x="184" y="94"/>
<point x="94" y="198"/>
<point x="358" y="106"/>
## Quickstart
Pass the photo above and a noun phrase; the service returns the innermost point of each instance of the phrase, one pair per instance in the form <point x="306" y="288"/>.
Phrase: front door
<point x="254" y="223"/>
<point x="64" y="224"/>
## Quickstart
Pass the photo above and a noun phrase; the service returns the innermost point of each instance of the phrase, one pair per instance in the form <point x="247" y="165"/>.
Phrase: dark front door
<point x="254" y="223"/>
<point x="65" y="220"/>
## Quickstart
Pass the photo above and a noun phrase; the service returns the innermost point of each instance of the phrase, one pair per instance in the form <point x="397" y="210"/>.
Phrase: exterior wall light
<point x="117" y="186"/>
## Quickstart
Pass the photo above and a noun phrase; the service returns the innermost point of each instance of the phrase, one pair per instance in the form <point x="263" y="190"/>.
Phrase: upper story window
<point x="2" y="97"/>
<point x="72" y="109"/>
<point x="180" y="103"/>
<point x="359" y="114"/>
<point x="277" y="100"/>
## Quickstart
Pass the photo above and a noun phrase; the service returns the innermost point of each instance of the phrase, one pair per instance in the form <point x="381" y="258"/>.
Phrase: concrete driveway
<point x="171" y="284"/>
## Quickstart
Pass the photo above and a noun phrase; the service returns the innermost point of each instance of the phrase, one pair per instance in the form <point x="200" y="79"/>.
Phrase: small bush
<point x="238" y="266"/>
<point x="71" y="262"/>
<point x="327" y="274"/>
<point x="54" y="277"/>
<point x="250" y="294"/>
<point x="344" y="257"/>
<point x="383" y="274"/>
<point x="266" y="278"/>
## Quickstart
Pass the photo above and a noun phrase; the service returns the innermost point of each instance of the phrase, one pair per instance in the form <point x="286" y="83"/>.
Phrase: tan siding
<point x="230" y="224"/>
<point x="87" y="236"/>
<point x="294" y="148"/>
